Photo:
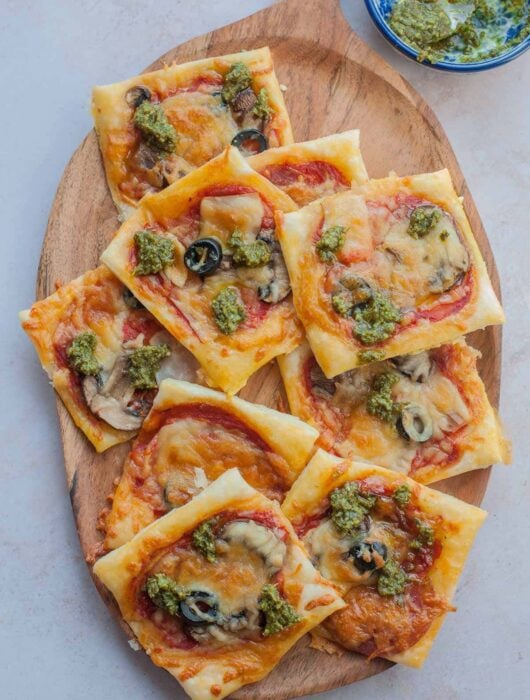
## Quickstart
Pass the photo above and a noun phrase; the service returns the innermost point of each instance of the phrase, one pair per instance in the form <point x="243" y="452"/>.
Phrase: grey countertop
<point x="56" y="638"/>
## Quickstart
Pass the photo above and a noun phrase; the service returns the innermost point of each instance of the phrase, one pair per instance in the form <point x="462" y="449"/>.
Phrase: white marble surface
<point x="56" y="639"/>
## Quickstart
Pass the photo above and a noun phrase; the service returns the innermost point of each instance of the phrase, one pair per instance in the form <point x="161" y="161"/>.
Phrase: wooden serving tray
<point x="335" y="82"/>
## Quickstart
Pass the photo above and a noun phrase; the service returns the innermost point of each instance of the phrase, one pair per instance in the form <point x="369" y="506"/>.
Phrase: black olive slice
<point x="369" y="556"/>
<point x="414" y="423"/>
<point x="199" y="608"/>
<point x="203" y="256"/>
<point x="136" y="95"/>
<point x="250" y="141"/>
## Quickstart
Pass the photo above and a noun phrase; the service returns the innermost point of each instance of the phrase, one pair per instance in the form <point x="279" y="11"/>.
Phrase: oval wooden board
<point x="335" y="82"/>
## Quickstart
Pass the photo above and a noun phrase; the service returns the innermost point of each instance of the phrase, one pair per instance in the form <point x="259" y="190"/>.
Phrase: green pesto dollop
<point x="144" y="363"/>
<point x="81" y="354"/>
<point x="154" y="126"/>
<point x="165" y="593"/>
<point x="376" y="320"/>
<point x="460" y="31"/>
<point x="402" y="495"/>
<point x="353" y="291"/>
<point x="203" y="539"/>
<point x="262" y="108"/>
<point x="422" y="220"/>
<point x="392" y="579"/>
<point x="425" y="535"/>
<point x="420" y="23"/>
<point x="228" y="311"/>
<point x="380" y="403"/>
<point x="237" y="79"/>
<point x="349" y="506"/>
<point x="153" y="253"/>
<point x="253" y="254"/>
<point x="331" y="240"/>
<point x="365" y="357"/>
<point x="279" y="613"/>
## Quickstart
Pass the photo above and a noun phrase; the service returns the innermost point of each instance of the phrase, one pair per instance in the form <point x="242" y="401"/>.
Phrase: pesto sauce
<point x="392" y="579"/>
<point x="81" y="355"/>
<point x="154" y="126"/>
<point x="144" y="363"/>
<point x="203" y="539"/>
<point x="375" y="320"/>
<point x="237" y="79"/>
<point x="460" y="32"/>
<point x="331" y="240"/>
<point x="402" y="495"/>
<point x="153" y="253"/>
<point x="165" y="593"/>
<point x="262" y="109"/>
<point x="422" y="221"/>
<point x="365" y="357"/>
<point x="349" y="506"/>
<point x="380" y="403"/>
<point x="279" y="613"/>
<point x="425" y="535"/>
<point x="228" y="311"/>
<point x="253" y="254"/>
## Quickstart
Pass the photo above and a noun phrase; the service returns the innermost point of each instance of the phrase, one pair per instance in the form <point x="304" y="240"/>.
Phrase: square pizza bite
<point x="314" y="169"/>
<point x="218" y="590"/>
<point x="190" y="437"/>
<point x="203" y="257"/>
<point x="425" y="415"/>
<point x="389" y="268"/>
<point x="394" y="548"/>
<point x="104" y="354"/>
<point x="156" y="127"/>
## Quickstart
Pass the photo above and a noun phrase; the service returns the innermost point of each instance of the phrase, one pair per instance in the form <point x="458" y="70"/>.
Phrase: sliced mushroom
<point x="351" y="390"/>
<point x="322" y="386"/>
<point x="110" y="400"/>
<point x="136" y="95"/>
<point x="414" y="423"/>
<point x="146" y="162"/>
<point x="280" y="285"/>
<point x="258" y="538"/>
<point x="417" y="367"/>
<point x="243" y="102"/>
<point x="446" y="253"/>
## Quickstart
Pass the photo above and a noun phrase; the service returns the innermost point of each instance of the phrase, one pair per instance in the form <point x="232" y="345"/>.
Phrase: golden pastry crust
<point x="221" y="668"/>
<point x="466" y="431"/>
<point x="184" y="308"/>
<point x="456" y="525"/>
<point x="313" y="169"/>
<point x="93" y="302"/>
<point x="191" y="436"/>
<point x="190" y="96"/>
<point x="378" y="250"/>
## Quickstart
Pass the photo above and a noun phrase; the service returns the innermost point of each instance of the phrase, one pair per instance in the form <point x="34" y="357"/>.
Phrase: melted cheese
<point x="220" y="216"/>
<point x="186" y="445"/>
<point x="204" y="125"/>
<point x="351" y="213"/>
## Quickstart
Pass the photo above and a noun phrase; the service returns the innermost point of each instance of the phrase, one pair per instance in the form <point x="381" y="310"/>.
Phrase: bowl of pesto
<point x="455" y="35"/>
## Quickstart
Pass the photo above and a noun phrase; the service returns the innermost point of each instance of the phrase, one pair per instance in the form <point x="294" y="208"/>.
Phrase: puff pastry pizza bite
<point x="156" y="127"/>
<point x="191" y="436"/>
<point x="426" y="415"/>
<point x="314" y="169"/>
<point x="218" y="590"/>
<point x="394" y="548"/>
<point x="387" y="269"/>
<point x="104" y="354"/>
<point x="203" y="257"/>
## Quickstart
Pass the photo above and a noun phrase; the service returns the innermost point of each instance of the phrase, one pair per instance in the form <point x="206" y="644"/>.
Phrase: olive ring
<point x="256" y="141"/>
<point x="203" y="256"/>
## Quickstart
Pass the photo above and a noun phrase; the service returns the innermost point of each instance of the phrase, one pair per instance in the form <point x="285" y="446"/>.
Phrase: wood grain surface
<point x="335" y="82"/>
